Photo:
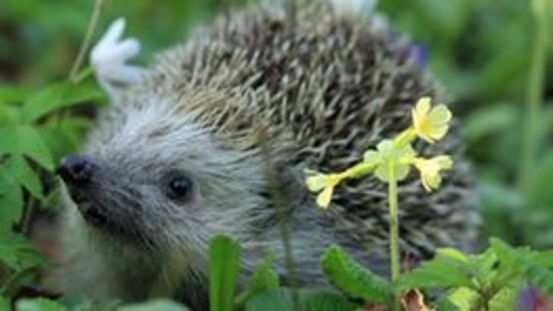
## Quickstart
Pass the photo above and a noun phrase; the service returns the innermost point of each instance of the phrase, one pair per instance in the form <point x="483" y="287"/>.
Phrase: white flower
<point x="109" y="56"/>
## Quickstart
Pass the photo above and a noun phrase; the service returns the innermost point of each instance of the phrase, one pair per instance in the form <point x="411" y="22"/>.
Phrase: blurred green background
<point x="480" y="50"/>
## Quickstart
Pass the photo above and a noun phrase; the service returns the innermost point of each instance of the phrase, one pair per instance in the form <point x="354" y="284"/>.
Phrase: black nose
<point x="76" y="169"/>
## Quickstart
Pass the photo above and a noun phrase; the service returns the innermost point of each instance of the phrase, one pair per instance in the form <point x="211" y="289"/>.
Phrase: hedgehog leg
<point x="109" y="56"/>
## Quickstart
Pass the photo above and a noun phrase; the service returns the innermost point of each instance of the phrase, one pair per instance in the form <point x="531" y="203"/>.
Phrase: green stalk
<point x="394" y="231"/>
<point x="534" y="92"/>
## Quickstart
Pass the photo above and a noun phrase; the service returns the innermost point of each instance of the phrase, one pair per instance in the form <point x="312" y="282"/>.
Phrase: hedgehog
<point x="189" y="145"/>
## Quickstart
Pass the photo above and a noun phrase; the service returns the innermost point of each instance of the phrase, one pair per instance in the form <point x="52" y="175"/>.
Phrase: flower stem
<point x="394" y="231"/>
<point x="534" y="92"/>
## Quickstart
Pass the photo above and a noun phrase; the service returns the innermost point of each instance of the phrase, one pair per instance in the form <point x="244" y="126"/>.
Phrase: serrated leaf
<point x="224" y="255"/>
<point x="461" y="299"/>
<point x="57" y="96"/>
<point x="11" y="201"/>
<point x="505" y="299"/>
<point x="25" y="140"/>
<point x="524" y="262"/>
<point x="347" y="275"/>
<point x="24" y="174"/>
<point x="442" y="271"/>
<point x="17" y="253"/>
<point x="278" y="299"/>
<point x="158" y="305"/>
<point x="39" y="304"/>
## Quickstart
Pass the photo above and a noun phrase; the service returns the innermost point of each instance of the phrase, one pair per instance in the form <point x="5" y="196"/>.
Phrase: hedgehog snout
<point x="76" y="170"/>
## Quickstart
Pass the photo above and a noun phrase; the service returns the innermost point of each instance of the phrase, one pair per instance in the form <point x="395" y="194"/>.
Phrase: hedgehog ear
<point x="108" y="59"/>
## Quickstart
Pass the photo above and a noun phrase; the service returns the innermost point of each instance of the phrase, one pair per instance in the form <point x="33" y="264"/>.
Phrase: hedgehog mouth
<point x="92" y="214"/>
<point x="90" y="211"/>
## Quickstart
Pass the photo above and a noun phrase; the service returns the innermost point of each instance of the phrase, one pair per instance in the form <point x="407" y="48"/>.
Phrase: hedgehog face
<point x="156" y="176"/>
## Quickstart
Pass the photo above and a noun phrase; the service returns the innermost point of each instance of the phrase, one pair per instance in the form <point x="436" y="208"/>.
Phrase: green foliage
<point x="491" y="278"/>
<point x="224" y="255"/>
<point x="158" y="305"/>
<point x="262" y="278"/>
<point x="349" y="276"/>
<point x="39" y="304"/>
<point x="310" y="300"/>
<point x="25" y="131"/>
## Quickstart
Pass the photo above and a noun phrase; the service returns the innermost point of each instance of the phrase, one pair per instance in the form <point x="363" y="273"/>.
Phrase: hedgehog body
<point x="264" y="92"/>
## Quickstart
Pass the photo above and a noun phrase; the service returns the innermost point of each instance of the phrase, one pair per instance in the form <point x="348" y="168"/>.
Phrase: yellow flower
<point x="430" y="170"/>
<point x="386" y="151"/>
<point x="430" y="124"/>
<point x="326" y="182"/>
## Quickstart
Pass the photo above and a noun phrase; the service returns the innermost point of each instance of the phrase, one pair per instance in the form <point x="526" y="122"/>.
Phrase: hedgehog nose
<point x="76" y="169"/>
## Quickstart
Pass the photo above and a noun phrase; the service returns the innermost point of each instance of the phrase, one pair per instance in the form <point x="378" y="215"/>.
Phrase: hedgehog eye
<point x="180" y="187"/>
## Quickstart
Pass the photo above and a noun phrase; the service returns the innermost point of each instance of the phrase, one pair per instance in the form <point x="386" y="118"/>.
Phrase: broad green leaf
<point x="158" y="305"/>
<point x="224" y="255"/>
<point x="278" y="299"/>
<point x="59" y="95"/>
<point x="39" y="304"/>
<point x="349" y="276"/>
<point x="25" y="140"/>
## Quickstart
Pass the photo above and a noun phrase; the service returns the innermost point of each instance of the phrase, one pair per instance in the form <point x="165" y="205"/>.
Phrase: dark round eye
<point x="180" y="187"/>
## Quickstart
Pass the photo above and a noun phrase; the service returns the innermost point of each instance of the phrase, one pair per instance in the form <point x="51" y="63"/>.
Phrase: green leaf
<point x="347" y="275"/>
<point x="278" y="299"/>
<point x="39" y="304"/>
<point x="24" y="174"/>
<point x="12" y="94"/>
<point x="57" y="96"/>
<point x="263" y="277"/>
<point x="25" y="140"/>
<point x="526" y="263"/>
<point x="537" y="216"/>
<point x="158" y="305"/>
<point x="4" y="303"/>
<point x="17" y="253"/>
<point x="11" y="201"/>
<point x="505" y="299"/>
<point x="448" y="269"/>
<point x="461" y="298"/>
<point x="223" y="266"/>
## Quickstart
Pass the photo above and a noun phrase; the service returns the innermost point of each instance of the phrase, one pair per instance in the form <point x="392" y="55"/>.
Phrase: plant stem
<point x="87" y="40"/>
<point x="534" y="92"/>
<point x="275" y="188"/>
<point x="394" y="231"/>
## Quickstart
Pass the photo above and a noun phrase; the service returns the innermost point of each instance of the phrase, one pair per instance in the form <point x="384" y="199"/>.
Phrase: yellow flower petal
<point x="423" y="106"/>
<point x="323" y="199"/>
<point x="316" y="183"/>
<point x="439" y="114"/>
<point x="430" y="170"/>
<point x="430" y="123"/>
